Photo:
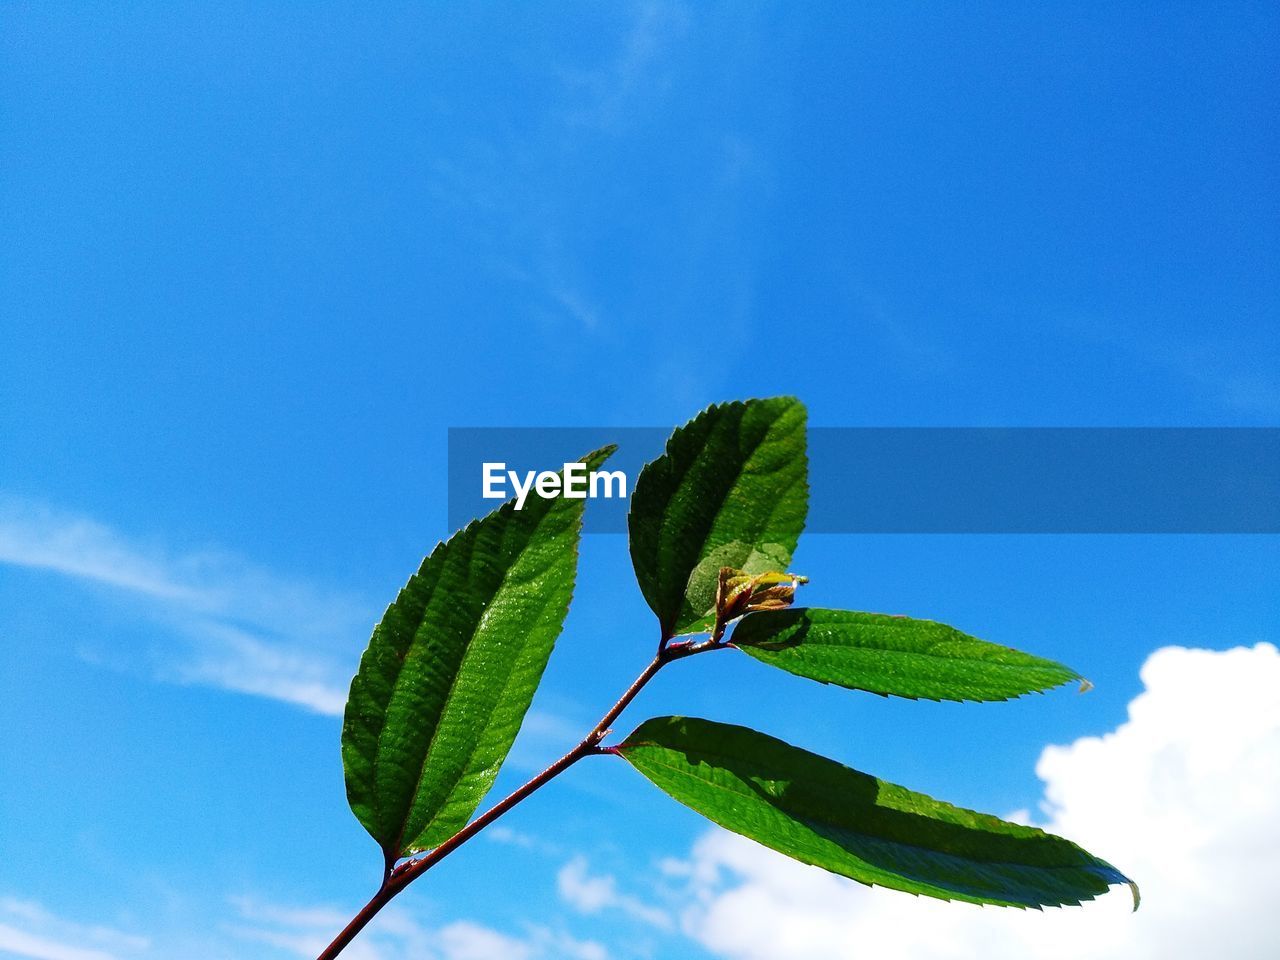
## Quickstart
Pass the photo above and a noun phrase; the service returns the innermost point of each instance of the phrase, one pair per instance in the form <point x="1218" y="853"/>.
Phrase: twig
<point x="397" y="878"/>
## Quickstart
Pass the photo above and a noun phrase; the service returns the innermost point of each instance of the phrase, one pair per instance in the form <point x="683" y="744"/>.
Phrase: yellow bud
<point x="741" y="593"/>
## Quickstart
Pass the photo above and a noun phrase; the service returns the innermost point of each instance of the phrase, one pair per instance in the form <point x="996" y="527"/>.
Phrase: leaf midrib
<point x="951" y="661"/>
<point x="721" y="500"/>
<point x="467" y="655"/>
<point x="753" y="795"/>
<point x="929" y="655"/>
<point x="513" y="662"/>
<point x="467" y="534"/>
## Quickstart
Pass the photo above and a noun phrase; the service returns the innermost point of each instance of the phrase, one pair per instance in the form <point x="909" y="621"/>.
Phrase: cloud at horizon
<point x="397" y="935"/>
<point x="29" y="930"/>
<point x="1184" y="796"/>
<point x="243" y="628"/>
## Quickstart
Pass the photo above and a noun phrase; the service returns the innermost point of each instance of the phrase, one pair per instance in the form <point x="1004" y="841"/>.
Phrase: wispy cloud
<point x="305" y="931"/>
<point x="508" y="837"/>
<point x="234" y="659"/>
<point x="596" y="892"/>
<point x="1226" y="371"/>
<point x="27" y="929"/>
<point x="33" y="535"/>
<point x="545" y="733"/>
<point x="508" y="188"/>
<point x="918" y="350"/>
<point x="633" y="69"/>
<point x="244" y="628"/>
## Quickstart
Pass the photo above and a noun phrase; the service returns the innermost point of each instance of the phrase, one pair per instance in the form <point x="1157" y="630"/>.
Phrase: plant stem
<point x="403" y="875"/>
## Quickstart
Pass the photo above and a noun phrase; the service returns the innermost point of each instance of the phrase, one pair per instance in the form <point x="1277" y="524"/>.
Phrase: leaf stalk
<point x="396" y="878"/>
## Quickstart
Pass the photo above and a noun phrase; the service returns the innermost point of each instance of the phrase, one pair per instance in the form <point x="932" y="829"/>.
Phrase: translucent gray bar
<point x="952" y="479"/>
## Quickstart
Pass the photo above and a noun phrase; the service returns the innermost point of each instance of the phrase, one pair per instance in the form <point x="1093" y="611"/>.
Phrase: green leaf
<point x="731" y="490"/>
<point x="451" y="670"/>
<point x="893" y="655"/>
<point x="822" y="813"/>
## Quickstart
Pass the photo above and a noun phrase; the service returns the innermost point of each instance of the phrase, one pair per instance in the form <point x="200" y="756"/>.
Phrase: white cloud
<point x="25" y="944"/>
<point x="28" y="930"/>
<point x="396" y="935"/>
<point x="305" y="931"/>
<point x="502" y="834"/>
<point x="233" y="659"/>
<point x="561" y="946"/>
<point x="245" y="628"/>
<point x="32" y="535"/>
<point x="512" y="838"/>
<point x="470" y="941"/>
<point x="592" y="893"/>
<point x="1184" y="796"/>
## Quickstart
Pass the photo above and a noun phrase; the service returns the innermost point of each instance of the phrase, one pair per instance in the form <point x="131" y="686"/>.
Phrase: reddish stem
<point x="400" y="877"/>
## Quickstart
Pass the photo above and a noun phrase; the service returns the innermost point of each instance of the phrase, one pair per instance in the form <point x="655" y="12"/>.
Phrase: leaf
<point x="822" y="813"/>
<point x="451" y="670"/>
<point x="731" y="490"/>
<point x="893" y="655"/>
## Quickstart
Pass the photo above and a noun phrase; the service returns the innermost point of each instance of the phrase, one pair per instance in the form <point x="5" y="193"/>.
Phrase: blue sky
<point x="259" y="259"/>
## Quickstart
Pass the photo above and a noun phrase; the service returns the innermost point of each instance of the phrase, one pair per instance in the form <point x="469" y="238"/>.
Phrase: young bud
<point x="741" y="593"/>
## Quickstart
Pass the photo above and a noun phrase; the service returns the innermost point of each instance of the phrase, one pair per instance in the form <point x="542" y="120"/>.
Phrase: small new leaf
<point x="740" y="593"/>
<point x="452" y="667"/>
<point x="731" y="490"/>
<point x="822" y="813"/>
<point x="893" y="656"/>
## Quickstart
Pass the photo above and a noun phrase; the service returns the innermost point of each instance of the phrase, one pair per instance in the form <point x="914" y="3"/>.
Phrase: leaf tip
<point x="599" y="456"/>
<point x="1085" y="685"/>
